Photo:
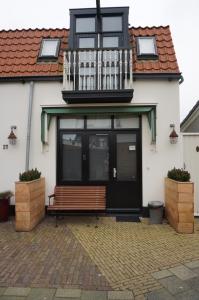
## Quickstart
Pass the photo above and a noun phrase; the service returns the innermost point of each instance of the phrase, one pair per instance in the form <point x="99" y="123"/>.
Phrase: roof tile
<point x="19" y="50"/>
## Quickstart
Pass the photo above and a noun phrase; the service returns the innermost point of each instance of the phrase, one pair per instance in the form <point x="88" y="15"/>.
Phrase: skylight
<point x="49" y="48"/>
<point x="146" y="46"/>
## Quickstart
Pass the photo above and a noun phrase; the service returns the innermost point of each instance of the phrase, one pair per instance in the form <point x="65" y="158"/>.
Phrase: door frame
<point x="85" y="133"/>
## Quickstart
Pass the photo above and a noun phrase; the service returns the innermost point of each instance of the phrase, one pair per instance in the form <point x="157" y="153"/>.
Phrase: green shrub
<point x="30" y="175"/>
<point x="6" y="195"/>
<point x="179" y="175"/>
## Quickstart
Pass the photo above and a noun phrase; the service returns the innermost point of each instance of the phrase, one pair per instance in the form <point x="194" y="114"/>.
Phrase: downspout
<point x="181" y="79"/>
<point x="29" y="125"/>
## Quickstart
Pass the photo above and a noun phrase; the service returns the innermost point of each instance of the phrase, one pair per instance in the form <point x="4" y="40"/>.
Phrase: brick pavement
<point x="46" y="257"/>
<point x="127" y="254"/>
<point x="86" y="255"/>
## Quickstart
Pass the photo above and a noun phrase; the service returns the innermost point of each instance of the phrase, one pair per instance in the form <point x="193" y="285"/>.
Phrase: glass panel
<point x="72" y="123"/>
<point x="98" y="157"/>
<point x="86" y="42"/>
<point x="146" y="46"/>
<point x="98" y="122"/>
<point x="126" y="157"/>
<point x="110" y="41"/>
<point x="126" y="122"/>
<point x="112" y="23"/>
<point x="72" y="157"/>
<point x="49" y="48"/>
<point x="85" y="24"/>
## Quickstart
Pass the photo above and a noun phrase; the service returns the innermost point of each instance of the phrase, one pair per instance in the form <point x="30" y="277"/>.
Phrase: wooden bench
<point x="77" y="198"/>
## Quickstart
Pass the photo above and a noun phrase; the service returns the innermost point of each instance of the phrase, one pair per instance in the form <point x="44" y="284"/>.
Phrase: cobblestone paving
<point x="128" y="253"/>
<point x="46" y="257"/>
<point x="101" y="255"/>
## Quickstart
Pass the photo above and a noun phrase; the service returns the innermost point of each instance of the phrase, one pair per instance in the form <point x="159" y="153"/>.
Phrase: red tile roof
<point x="19" y="50"/>
<point x="166" y="62"/>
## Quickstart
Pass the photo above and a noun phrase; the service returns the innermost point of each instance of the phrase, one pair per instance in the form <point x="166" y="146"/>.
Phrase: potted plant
<point x="4" y="205"/>
<point x="179" y="200"/>
<point x="29" y="200"/>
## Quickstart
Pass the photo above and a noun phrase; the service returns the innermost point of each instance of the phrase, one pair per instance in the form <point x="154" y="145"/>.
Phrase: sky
<point x="181" y="15"/>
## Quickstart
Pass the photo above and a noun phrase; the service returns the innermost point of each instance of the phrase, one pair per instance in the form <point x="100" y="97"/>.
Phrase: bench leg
<point x="56" y="223"/>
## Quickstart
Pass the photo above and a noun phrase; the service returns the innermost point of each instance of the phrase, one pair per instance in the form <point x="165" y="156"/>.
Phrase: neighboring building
<point x="92" y="105"/>
<point x="190" y="134"/>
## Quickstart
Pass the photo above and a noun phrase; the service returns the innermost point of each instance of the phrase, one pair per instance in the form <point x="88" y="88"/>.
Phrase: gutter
<point x="30" y="102"/>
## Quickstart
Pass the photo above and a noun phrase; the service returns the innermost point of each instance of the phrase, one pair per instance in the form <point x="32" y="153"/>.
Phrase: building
<point x="91" y="106"/>
<point x="190" y="135"/>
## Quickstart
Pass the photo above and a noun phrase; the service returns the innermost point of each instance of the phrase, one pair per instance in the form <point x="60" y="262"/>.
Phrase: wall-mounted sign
<point x="132" y="148"/>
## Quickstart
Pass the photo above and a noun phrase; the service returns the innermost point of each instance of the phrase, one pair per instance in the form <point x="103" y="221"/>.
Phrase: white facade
<point x="156" y="159"/>
<point x="191" y="163"/>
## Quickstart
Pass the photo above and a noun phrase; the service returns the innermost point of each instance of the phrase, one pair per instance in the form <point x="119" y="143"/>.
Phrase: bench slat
<point x="79" y="198"/>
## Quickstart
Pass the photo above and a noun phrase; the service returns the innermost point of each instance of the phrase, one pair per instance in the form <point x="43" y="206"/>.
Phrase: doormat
<point x="127" y="219"/>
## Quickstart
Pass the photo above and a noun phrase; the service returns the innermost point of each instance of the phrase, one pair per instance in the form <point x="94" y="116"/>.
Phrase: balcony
<point x="100" y="75"/>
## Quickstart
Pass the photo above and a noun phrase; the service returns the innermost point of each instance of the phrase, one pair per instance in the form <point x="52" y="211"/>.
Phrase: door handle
<point x="114" y="173"/>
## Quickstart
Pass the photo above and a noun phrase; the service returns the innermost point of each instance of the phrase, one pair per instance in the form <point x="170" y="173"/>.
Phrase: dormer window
<point x="146" y="47"/>
<point x="85" y="25"/>
<point x="49" y="48"/>
<point x="112" y="24"/>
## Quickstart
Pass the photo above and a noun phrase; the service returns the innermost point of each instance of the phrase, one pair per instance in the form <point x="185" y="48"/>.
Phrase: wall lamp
<point x="173" y="137"/>
<point x="12" y="137"/>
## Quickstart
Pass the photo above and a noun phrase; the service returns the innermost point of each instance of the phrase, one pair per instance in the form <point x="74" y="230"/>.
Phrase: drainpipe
<point x="29" y="125"/>
<point x="181" y="79"/>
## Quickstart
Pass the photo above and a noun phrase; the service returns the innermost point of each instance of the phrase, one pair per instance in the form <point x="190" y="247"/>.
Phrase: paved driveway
<point x="90" y="254"/>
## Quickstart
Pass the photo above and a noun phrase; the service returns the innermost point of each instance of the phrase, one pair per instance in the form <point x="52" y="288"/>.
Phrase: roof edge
<point x="189" y="115"/>
<point x="33" y="29"/>
<point x="32" y="78"/>
<point x="169" y="76"/>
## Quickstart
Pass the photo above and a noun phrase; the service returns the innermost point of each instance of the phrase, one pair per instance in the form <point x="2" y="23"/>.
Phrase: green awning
<point x="48" y="112"/>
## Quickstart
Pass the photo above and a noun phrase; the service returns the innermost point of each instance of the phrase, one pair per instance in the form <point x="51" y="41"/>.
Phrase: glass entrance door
<point x="110" y="158"/>
<point x="124" y="190"/>
<point x="98" y="157"/>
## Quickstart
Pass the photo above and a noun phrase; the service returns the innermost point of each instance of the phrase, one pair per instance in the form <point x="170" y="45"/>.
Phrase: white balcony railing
<point x="99" y="69"/>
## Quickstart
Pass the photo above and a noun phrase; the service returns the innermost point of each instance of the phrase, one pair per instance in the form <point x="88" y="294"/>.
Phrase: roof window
<point x="49" y="48"/>
<point x="146" y="47"/>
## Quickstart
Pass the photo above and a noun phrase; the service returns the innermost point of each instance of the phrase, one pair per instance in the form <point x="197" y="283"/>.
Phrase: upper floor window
<point x="85" y="25"/>
<point x="146" y="46"/>
<point x="112" y="24"/>
<point x="49" y="48"/>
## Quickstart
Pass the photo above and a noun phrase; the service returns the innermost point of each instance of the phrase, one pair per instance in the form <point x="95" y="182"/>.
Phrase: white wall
<point x="191" y="161"/>
<point x="14" y="111"/>
<point x="157" y="159"/>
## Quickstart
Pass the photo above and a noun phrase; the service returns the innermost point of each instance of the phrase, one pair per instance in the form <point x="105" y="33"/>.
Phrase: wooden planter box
<point x="29" y="204"/>
<point x="179" y="205"/>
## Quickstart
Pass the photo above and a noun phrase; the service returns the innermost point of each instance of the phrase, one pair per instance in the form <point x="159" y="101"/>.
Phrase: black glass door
<point x="124" y="189"/>
<point x="110" y="158"/>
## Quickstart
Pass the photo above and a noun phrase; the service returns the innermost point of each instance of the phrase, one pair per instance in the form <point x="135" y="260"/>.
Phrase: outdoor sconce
<point x="12" y="137"/>
<point x="173" y="135"/>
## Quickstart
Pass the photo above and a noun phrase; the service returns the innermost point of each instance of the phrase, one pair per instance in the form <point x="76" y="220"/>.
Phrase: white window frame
<point x="50" y="55"/>
<point x="151" y="53"/>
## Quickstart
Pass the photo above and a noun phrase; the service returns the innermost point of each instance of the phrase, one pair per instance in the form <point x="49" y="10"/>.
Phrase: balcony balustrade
<point x="89" y="72"/>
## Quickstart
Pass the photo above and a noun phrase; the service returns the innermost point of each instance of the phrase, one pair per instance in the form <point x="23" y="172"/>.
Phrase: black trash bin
<point x="155" y="212"/>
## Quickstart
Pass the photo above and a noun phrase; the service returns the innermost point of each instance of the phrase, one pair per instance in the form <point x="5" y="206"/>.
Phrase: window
<point x="72" y="123"/>
<point x="49" y="48"/>
<point x="86" y="42"/>
<point x="98" y="122"/>
<point x="112" y="24"/>
<point x="146" y="46"/>
<point x="121" y="122"/>
<point x="85" y="25"/>
<point x="111" y="41"/>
